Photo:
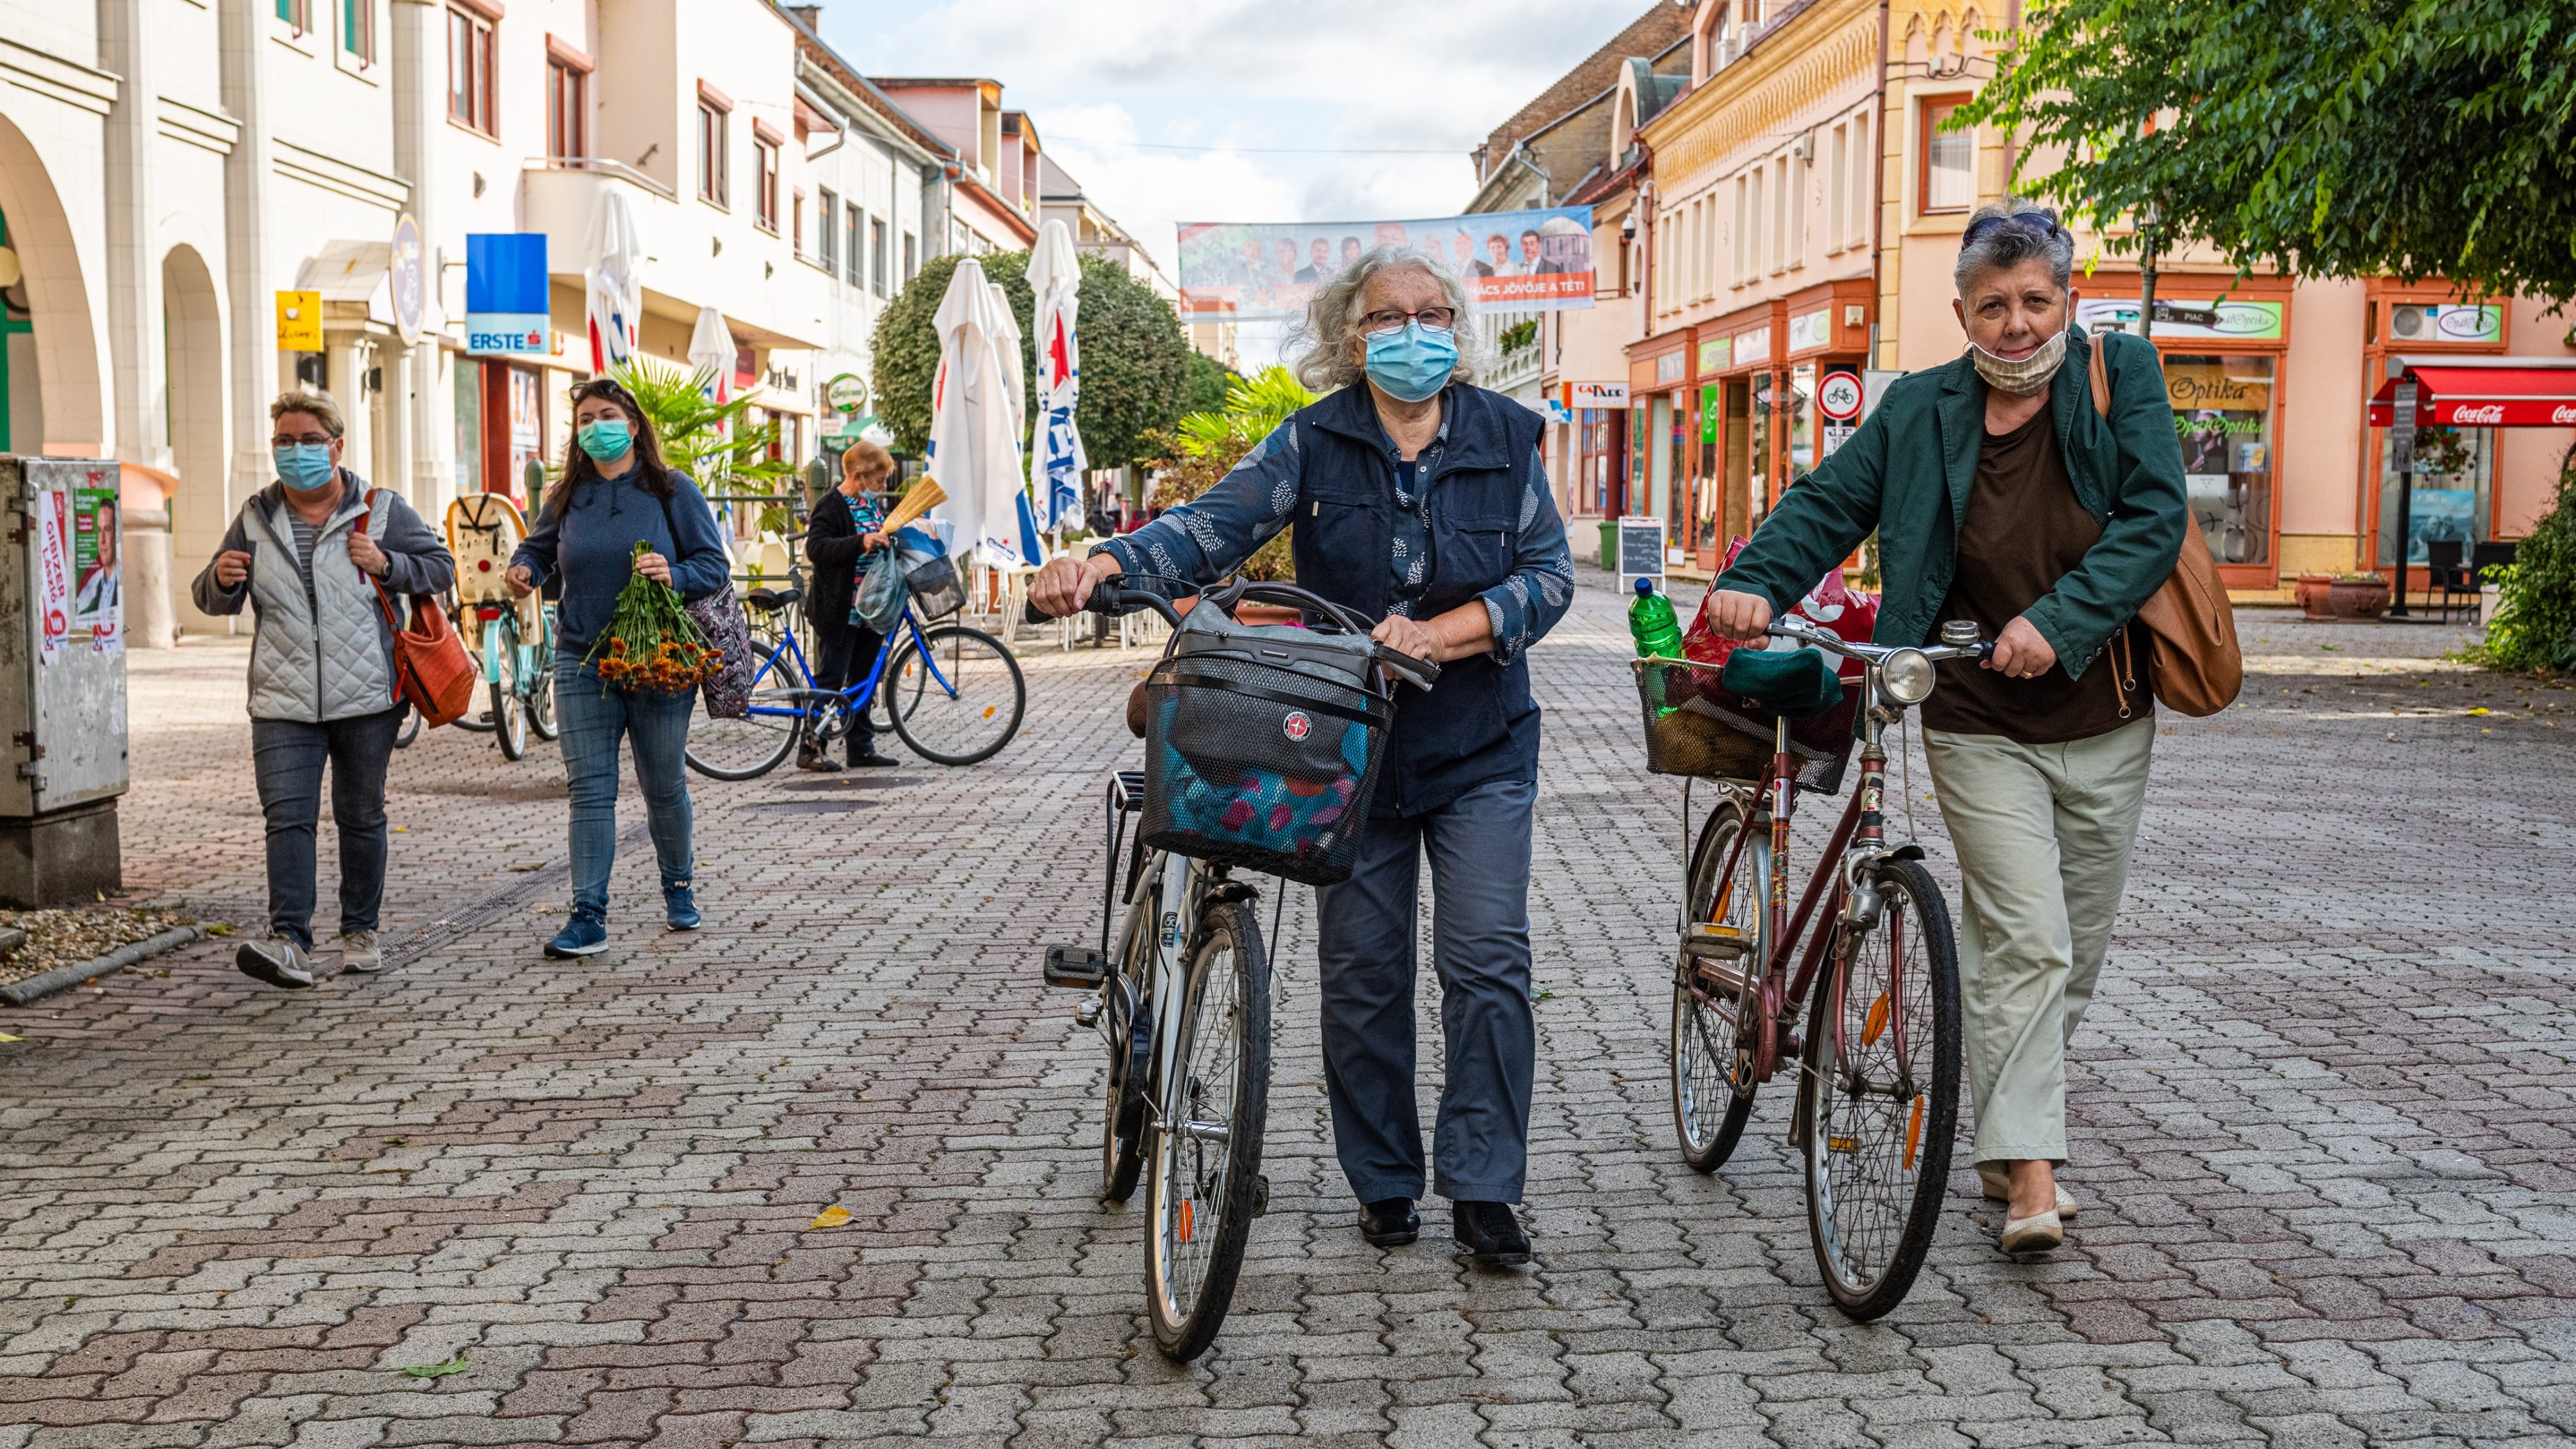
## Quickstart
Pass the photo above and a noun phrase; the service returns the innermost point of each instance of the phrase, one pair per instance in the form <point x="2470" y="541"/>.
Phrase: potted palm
<point x="1204" y="447"/>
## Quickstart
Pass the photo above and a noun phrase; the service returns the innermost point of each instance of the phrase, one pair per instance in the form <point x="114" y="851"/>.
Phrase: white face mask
<point x="2026" y="375"/>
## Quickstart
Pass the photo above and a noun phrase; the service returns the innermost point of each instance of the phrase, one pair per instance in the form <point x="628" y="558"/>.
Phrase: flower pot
<point x="2358" y="598"/>
<point x="2311" y="594"/>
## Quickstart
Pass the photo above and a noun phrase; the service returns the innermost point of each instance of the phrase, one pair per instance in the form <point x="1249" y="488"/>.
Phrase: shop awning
<point x="2502" y="392"/>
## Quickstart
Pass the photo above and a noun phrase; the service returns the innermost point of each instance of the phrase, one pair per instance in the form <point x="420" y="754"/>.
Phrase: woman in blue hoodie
<point x="614" y="494"/>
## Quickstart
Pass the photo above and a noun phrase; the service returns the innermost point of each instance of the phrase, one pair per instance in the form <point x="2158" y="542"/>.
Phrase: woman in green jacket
<point x="2001" y="495"/>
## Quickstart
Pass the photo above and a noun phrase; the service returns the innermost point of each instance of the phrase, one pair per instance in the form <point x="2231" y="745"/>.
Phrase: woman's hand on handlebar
<point x="1408" y="636"/>
<point x="1064" y="585"/>
<point x="1739" y="615"/>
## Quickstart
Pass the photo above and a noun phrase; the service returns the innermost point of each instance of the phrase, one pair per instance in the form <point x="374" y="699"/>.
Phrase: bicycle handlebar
<point x="1109" y="601"/>
<point x="1792" y="627"/>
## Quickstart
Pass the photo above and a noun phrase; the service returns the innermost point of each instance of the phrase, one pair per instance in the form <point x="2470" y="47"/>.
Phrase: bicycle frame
<point x="1166" y="899"/>
<point x="856" y="696"/>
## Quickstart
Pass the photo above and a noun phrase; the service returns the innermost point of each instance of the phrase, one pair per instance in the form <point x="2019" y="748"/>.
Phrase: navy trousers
<point x="1479" y="846"/>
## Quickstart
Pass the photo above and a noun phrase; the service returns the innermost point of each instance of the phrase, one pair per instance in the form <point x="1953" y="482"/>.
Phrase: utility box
<point x="62" y="680"/>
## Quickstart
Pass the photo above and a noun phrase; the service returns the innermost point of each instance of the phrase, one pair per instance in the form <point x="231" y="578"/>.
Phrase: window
<point x="1753" y="238"/>
<point x="1836" y="192"/>
<point x="469" y="71"/>
<point x="298" y="14"/>
<point x="877" y="262"/>
<point x="796" y="222"/>
<point x="764" y="165"/>
<point x="1743" y="248"/>
<point x="1794" y="233"/>
<point x="911" y="255"/>
<point x="827" y="208"/>
<point x="1949" y="180"/>
<point x="1780" y="211"/>
<point x="567" y="109"/>
<point x="850" y="254"/>
<point x="358" y="29"/>
<point x="1864" y="175"/>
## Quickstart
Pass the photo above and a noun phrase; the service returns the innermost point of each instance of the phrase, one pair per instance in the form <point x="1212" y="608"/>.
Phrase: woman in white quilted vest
<point x="307" y="554"/>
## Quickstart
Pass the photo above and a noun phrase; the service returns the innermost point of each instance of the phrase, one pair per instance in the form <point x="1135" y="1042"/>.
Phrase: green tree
<point x="2534" y="628"/>
<point x="712" y="442"/>
<point x="1135" y="363"/>
<point x="1209" y="379"/>
<point x="2323" y="138"/>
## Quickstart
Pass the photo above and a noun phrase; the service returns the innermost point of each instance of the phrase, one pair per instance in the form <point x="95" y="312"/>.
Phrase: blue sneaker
<point x="581" y="936"/>
<point x="679" y="907"/>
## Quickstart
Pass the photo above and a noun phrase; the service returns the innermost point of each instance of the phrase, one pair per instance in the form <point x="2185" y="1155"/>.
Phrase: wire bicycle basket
<point x="1695" y="727"/>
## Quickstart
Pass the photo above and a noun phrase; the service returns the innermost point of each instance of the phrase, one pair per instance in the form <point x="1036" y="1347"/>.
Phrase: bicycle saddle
<point x="1799" y="683"/>
<point x="770" y="601"/>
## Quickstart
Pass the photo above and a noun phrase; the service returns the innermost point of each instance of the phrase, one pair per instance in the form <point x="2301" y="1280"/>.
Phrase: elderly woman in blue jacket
<point x="1418" y="497"/>
<point x="615" y="493"/>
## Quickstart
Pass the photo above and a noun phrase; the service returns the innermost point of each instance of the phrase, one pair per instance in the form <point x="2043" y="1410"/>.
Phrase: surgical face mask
<point x="304" y="466"/>
<point x="606" y="440"/>
<point x="2024" y="376"/>
<point x="1413" y="363"/>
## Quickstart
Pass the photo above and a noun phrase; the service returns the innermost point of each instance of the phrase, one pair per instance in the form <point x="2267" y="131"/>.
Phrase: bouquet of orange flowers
<point x="651" y="644"/>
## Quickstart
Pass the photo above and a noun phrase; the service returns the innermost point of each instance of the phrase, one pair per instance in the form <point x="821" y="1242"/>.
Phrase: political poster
<point x="97" y="593"/>
<point x="53" y="571"/>
<point x="1527" y="261"/>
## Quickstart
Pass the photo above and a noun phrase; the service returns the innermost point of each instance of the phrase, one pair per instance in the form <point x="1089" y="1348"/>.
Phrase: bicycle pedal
<point x="1260" y="1194"/>
<point x="1075" y="966"/>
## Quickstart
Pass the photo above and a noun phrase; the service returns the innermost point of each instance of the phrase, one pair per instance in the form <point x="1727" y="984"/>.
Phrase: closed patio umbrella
<point x="1056" y="461"/>
<point x="613" y="283"/>
<point x="974" y="424"/>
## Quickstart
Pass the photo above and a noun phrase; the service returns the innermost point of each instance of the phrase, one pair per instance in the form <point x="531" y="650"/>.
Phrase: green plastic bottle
<point x="1652" y="625"/>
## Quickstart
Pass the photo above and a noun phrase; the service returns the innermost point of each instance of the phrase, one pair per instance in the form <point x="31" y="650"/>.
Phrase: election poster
<point x="98" y="567"/>
<point x="1531" y="261"/>
<point x="53" y="571"/>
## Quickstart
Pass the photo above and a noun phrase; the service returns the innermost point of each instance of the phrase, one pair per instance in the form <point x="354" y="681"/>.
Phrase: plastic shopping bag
<point x="879" y="601"/>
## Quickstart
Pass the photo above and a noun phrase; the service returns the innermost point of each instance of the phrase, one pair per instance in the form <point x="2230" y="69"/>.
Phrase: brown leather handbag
<point x="431" y="667"/>
<point x="2193" y="662"/>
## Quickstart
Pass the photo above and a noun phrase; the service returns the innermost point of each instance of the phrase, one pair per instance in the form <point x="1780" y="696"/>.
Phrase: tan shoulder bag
<point x="2193" y="662"/>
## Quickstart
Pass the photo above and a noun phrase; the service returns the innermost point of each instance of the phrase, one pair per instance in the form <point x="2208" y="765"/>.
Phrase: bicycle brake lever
<point x="1420" y="673"/>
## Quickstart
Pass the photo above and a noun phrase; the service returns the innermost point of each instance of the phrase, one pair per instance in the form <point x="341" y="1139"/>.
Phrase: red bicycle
<point x="1877" y="966"/>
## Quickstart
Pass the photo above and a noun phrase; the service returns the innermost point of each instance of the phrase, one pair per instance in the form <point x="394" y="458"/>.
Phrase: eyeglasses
<point x="2038" y="223"/>
<point x="1433" y="319"/>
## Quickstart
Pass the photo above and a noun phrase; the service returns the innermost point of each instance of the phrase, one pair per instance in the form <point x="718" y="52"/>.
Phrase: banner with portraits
<point x="1526" y="261"/>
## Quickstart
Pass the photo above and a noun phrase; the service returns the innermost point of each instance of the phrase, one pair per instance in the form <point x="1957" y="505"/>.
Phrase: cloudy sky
<point x="1244" y="110"/>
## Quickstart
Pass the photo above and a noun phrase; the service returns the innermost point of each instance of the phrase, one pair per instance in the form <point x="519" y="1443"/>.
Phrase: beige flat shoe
<point x="2000" y="1189"/>
<point x="2040" y="1234"/>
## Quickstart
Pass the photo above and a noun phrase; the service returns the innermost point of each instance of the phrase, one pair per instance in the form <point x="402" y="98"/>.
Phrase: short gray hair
<point x="2005" y="234"/>
<point x="1322" y="338"/>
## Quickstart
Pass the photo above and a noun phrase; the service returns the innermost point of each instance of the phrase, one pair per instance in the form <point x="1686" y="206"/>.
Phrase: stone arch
<point x="200" y="443"/>
<point x="58" y="298"/>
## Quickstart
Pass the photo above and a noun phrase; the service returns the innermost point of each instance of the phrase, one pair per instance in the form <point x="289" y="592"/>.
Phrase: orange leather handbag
<point x="431" y="667"/>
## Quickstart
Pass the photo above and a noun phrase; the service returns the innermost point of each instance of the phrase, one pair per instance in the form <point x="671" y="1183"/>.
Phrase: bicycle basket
<point x="937" y="592"/>
<point x="1695" y="728"/>
<point x="1262" y="747"/>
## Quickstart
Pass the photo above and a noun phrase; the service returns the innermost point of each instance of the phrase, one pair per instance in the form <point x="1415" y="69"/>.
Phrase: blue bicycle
<point x="952" y="694"/>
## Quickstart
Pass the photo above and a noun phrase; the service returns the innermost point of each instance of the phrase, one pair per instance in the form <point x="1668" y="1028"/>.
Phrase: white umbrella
<point x="613" y="284"/>
<point x="711" y="349"/>
<point x="974" y="421"/>
<point x="1056" y="461"/>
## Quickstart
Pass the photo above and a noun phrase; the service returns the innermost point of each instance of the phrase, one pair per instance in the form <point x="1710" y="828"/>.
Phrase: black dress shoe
<point x="1389" y="1222"/>
<point x="869" y="759"/>
<point x="1490" y="1233"/>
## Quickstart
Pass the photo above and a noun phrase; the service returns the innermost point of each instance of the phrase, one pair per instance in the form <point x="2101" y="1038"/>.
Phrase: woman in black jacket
<point x="845" y="527"/>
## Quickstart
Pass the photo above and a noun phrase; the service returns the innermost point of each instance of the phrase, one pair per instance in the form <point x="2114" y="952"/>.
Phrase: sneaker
<point x="1389" y="1222"/>
<point x="818" y="762"/>
<point x="680" y="907"/>
<point x="581" y="936"/>
<point x="360" y="953"/>
<point x="276" y="959"/>
<point x="1490" y="1233"/>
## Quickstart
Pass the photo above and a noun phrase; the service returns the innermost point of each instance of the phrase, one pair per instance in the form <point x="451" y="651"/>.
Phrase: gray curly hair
<point x="2007" y="233"/>
<point x="1322" y="338"/>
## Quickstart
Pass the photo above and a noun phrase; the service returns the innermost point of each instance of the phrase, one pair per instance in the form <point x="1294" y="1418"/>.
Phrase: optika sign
<point x="2487" y="415"/>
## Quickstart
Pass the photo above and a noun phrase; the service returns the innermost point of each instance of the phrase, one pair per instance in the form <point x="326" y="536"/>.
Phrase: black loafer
<point x="871" y="760"/>
<point x="1390" y="1222"/>
<point x="1490" y="1233"/>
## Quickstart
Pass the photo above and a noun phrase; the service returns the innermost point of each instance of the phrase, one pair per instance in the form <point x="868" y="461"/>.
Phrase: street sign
<point x="299" y="321"/>
<point x="1596" y="394"/>
<point x="1838" y="396"/>
<point x="408" y="280"/>
<point x="506" y="306"/>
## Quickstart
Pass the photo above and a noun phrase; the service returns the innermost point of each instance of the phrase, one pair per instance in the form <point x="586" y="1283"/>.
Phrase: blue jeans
<point x="1479" y="845"/>
<point x="286" y="759"/>
<point x="594" y="716"/>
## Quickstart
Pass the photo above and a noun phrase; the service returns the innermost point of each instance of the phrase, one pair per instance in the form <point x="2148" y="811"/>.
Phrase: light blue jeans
<point x="594" y="717"/>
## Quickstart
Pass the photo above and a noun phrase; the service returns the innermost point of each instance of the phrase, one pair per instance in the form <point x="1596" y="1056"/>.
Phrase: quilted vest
<point x="325" y="655"/>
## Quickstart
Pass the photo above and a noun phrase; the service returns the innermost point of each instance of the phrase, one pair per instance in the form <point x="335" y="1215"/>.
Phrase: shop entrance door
<point x="1738" y="431"/>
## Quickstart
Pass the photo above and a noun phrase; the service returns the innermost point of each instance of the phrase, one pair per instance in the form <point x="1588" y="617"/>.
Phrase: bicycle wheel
<point x="410" y="730"/>
<point x="1203" y="1172"/>
<point x="1122" y="1118"/>
<point x="509" y="706"/>
<point x="1714" y="1034"/>
<point x="959" y="703"/>
<point x="750" y="747"/>
<point x="541" y="686"/>
<point x="1880" y="1095"/>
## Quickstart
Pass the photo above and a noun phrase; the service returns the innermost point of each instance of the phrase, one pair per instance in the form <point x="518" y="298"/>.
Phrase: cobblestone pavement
<point x="2322" y="1109"/>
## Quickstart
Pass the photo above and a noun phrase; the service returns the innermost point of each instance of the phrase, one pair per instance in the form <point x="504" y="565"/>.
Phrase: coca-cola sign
<point x="2485" y="415"/>
<point x="2563" y="413"/>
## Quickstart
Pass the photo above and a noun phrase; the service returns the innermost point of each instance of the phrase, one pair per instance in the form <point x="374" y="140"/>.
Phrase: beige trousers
<point x="2043" y="835"/>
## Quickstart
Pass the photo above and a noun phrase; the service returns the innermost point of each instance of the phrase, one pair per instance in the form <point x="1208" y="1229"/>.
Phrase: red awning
<point x="2537" y="394"/>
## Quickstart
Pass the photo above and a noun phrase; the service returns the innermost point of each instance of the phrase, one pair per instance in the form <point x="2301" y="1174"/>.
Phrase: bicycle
<point x="1878" y="1065"/>
<point x="519" y="675"/>
<point x="1183" y="1006"/>
<point x="944" y="694"/>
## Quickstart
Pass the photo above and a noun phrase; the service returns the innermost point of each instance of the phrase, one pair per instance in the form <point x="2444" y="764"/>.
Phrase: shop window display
<point x="1802" y="419"/>
<point x="2223" y="411"/>
<point x="1763" y="489"/>
<point x="2454" y="478"/>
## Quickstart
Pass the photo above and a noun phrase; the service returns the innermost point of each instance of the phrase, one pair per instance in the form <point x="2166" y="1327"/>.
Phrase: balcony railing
<point x="603" y="166"/>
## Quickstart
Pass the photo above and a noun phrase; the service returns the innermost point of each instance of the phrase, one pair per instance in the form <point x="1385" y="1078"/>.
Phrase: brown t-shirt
<point x="2024" y="530"/>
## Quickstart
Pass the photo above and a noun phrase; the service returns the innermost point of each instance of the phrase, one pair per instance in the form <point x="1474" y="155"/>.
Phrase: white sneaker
<point x="1999" y="1188"/>
<point x="360" y="953"/>
<point x="275" y="959"/>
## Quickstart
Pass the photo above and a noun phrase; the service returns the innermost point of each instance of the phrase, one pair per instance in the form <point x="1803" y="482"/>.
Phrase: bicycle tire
<point x="752" y="746"/>
<point x="410" y="730"/>
<point x="509" y="706"/>
<point x="1708" y="1056"/>
<point x="959" y="719"/>
<point x="1868" y="1255"/>
<point x="1122" y="1117"/>
<point x="1187" y="1293"/>
<point x="541" y="688"/>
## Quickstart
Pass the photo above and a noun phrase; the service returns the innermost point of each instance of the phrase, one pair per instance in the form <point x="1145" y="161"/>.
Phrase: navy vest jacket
<point x="1479" y="723"/>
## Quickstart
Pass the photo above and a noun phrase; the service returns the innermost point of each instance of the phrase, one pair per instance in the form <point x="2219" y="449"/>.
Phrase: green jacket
<point x="1907" y="472"/>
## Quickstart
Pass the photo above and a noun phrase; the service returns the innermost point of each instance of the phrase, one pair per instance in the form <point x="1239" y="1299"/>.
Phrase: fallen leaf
<point x="830" y="1217"/>
<point x="454" y="1365"/>
<point x="2482" y="709"/>
<point x="4" y="1036"/>
<point x="403" y="830"/>
<point x="524" y="869"/>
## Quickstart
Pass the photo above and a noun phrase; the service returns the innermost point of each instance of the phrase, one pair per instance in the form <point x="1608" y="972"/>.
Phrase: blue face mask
<point x="606" y="440"/>
<point x="1412" y="364"/>
<point x="304" y="467"/>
